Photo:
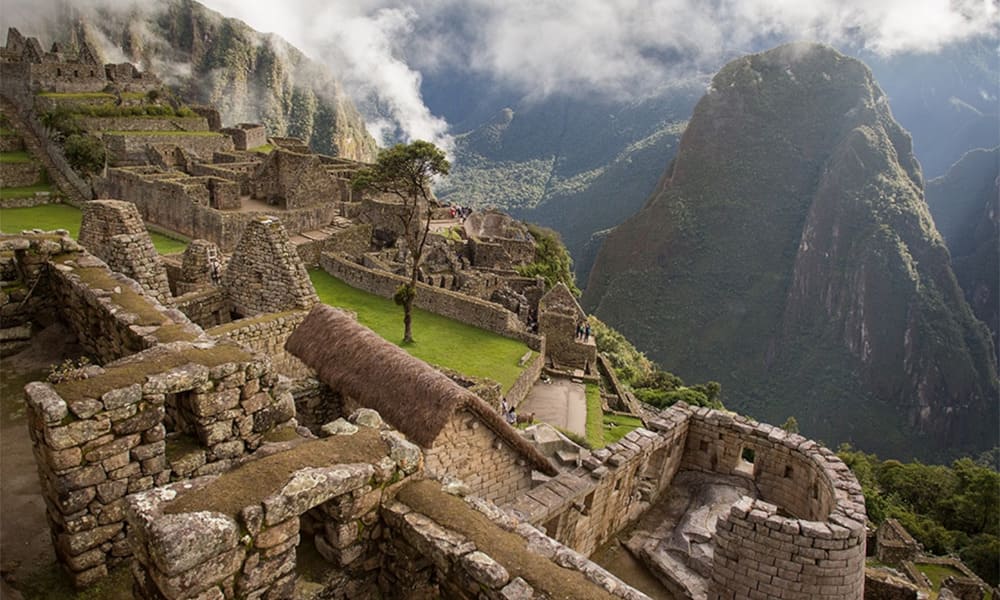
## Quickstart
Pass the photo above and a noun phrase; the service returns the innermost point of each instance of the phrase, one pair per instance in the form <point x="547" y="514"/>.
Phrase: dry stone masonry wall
<point x="265" y="273"/>
<point x="113" y="231"/>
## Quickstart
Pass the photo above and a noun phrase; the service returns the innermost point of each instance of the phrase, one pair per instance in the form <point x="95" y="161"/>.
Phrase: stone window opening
<point x="76" y="73"/>
<point x="551" y="527"/>
<point x="178" y="417"/>
<point x="815" y="491"/>
<point x="58" y="72"/>
<point x="788" y="471"/>
<point x="745" y="465"/>
<point x="703" y="445"/>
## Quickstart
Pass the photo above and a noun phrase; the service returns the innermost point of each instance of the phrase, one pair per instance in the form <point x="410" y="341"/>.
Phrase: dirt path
<point x="561" y="403"/>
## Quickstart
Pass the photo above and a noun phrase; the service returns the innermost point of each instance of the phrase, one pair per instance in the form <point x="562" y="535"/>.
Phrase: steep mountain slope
<point x="965" y="204"/>
<point x="248" y="75"/>
<point x="789" y="254"/>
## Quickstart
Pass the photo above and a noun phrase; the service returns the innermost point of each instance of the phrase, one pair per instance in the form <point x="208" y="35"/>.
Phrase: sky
<point x="540" y="47"/>
<point x="382" y="49"/>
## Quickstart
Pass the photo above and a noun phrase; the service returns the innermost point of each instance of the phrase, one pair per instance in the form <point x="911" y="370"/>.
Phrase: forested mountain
<point x="966" y="208"/>
<point x="789" y="253"/>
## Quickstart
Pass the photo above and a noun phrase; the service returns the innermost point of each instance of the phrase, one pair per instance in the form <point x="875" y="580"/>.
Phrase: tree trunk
<point x="408" y="321"/>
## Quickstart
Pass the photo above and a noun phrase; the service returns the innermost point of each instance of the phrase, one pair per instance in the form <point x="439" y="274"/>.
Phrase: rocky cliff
<point x="966" y="208"/>
<point x="788" y="253"/>
<point x="250" y="76"/>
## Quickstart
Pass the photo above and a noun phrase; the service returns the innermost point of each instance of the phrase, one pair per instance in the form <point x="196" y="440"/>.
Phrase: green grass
<point x="265" y="149"/>
<point x="50" y="582"/>
<point x="937" y="574"/>
<point x="63" y="216"/>
<point x="78" y="95"/>
<point x="439" y="340"/>
<point x="595" y="417"/>
<point x="26" y="191"/>
<point x="7" y="132"/>
<point x="617" y="426"/>
<point x="15" y="157"/>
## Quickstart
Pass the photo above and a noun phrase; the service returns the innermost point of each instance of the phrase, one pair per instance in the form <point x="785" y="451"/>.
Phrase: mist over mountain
<point x="208" y="58"/>
<point x="790" y="254"/>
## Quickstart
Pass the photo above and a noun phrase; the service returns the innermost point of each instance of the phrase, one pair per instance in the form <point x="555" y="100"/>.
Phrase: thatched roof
<point x="411" y="395"/>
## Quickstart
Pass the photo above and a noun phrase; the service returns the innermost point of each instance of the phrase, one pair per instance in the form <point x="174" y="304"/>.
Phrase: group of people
<point x="583" y="331"/>
<point x="461" y="212"/>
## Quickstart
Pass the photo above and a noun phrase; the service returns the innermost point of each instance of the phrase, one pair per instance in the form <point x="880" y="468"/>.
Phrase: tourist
<point x="504" y="407"/>
<point x="579" y="330"/>
<point x="586" y="332"/>
<point x="511" y="416"/>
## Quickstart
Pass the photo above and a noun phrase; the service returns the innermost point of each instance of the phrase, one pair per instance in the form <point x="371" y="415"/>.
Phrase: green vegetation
<point x="407" y="171"/>
<point x="85" y="153"/>
<point x="617" y="426"/>
<point x="552" y="260"/>
<point x="629" y="364"/>
<point x="595" y="417"/>
<point x="952" y="509"/>
<point x="265" y="149"/>
<point x="78" y="95"/>
<point x="441" y="341"/>
<point x="170" y="133"/>
<point x="18" y="156"/>
<point x="26" y="191"/>
<point x="48" y="217"/>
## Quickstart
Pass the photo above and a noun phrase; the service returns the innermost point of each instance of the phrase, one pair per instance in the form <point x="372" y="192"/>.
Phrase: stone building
<point x="265" y="273"/>
<point x="290" y="180"/>
<point x="462" y="436"/>
<point x="559" y="314"/>
<point x="247" y="136"/>
<point x="497" y="241"/>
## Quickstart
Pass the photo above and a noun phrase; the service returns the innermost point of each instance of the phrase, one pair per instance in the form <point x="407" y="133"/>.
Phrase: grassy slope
<point x="439" y="340"/>
<point x="63" y="216"/>
<point x="26" y="191"/>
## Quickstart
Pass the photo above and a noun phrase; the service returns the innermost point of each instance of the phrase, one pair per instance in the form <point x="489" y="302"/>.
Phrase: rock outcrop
<point x="789" y="254"/>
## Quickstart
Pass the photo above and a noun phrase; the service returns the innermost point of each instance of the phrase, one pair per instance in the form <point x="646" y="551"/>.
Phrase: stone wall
<point x="206" y="306"/>
<point x="103" y="437"/>
<point x="31" y="200"/>
<point x="183" y="204"/>
<point x="348" y="238"/>
<point x="184" y="546"/>
<point x="247" y="136"/>
<point x="454" y="305"/>
<point x="804" y="538"/>
<point x="292" y="180"/>
<point x="585" y="508"/>
<point x="467" y="449"/>
<point x="130" y="148"/>
<point x="266" y="335"/>
<point x="893" y="544"/>
<point x="526" y="380"/>
<point x="143" y="123"/>
<point x="439" y="546"/>
<point x="879" y="585"/>
<point x="113" y="231"/>
<point x="559" y="314"/>
<point x="265" y="274"/>
<point x="20" y="174"/>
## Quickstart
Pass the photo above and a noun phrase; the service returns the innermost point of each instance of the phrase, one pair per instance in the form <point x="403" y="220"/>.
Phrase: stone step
<point x="567" y="457"/>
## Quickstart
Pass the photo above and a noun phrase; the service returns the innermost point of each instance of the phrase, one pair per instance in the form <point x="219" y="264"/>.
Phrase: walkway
<point x="561" y="403"/>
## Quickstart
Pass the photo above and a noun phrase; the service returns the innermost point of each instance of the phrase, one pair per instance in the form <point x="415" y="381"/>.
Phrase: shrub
<point x="85" y="153"/>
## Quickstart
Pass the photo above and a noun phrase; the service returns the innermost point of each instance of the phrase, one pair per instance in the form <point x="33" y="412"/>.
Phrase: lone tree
<point x="407" y="171"/>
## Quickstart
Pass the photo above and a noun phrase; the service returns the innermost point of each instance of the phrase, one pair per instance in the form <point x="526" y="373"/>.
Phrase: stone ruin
<point x="559" y="314"/>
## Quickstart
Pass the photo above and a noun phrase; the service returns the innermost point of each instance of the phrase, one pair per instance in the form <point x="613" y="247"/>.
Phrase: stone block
<point x="122" y="444"/>
<point x="122" y="397"/>
<point x="485" y="570"/>
<point x="75" y="544"/>
<point x="43" y="398"/>
<point x="79" y="478"/>
<point x="312" y="486"/>
<point x="277" y="534"/>
<point x="76" y="433"/>
<point x="180" y="542"/>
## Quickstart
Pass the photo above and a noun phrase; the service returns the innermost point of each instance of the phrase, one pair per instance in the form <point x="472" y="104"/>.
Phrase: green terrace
<point x="26" y="191"/>
<point x="438" y="340"/>
<point x="171" y="133"/>
<point x="19" y="156"/>
<point x="63" y="216"/>
<point x="91" y="95"/>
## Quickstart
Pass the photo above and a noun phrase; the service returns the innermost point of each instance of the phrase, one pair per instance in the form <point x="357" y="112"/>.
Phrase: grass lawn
<point x="78" y="95"/>
<point x="265" y="149"/>
<point x="439" y="340"/>
<point x="15" y="157"/>
<point x="595" y="417"/>
<point x="937" y="574"/>
<point x="64" y="216"/>
<point x="26" y="191"/>
<point x="617" y="426"/>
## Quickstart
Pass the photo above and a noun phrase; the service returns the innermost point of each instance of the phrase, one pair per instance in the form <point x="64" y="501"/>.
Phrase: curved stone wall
<point x="805" y="537"/>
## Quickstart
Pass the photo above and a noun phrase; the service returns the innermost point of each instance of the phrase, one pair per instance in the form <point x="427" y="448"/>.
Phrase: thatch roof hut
<point x="411" y="395"/>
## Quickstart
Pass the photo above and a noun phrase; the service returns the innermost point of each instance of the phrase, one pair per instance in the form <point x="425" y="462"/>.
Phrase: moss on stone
<point x="508" y="549"/>
<point x="120" y="376"/>
<point x="174" y="332"/>
<point x="221" y="330"/>
<point x="250" y="483"/>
